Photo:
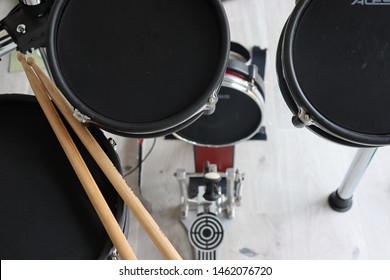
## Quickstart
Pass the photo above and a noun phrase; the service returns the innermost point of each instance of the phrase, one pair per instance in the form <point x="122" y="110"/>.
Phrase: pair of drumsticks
<point x="44" y="89"/>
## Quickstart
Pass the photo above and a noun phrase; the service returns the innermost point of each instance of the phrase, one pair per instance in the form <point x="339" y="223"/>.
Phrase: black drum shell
<point x="238" y="114"/>
<point x="160" y="72"/>
<point x="44" y="210"/>
<point x="338" y="120"/>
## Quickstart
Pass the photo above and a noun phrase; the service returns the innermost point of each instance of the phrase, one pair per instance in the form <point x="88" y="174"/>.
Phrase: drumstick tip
<point x="21" y="57"/>
<point x="30" y="61"/>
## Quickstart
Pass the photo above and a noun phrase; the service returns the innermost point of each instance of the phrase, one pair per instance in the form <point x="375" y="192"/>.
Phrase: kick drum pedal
<point x="208" y="202"/>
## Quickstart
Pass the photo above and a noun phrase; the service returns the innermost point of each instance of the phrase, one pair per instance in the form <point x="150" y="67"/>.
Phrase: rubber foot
<point x="339" y="204"/>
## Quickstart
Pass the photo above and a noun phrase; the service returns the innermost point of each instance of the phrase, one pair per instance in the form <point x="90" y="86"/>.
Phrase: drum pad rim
<point x="290" y="79"/>
<point x="154" y="128"/>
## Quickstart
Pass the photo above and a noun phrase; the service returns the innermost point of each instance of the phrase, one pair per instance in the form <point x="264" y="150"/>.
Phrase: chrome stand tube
<point x="341" y="199"/>
<point x="355" y="172"/>
<point x="6" y="43"/>
<point x="43" y="53"/>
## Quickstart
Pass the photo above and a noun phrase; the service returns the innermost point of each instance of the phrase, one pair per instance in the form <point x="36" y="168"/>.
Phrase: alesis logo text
<point x="371" y="2"/>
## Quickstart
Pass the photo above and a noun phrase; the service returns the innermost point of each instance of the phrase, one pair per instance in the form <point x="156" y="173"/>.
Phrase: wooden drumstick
<point x="138" y="210"/>
<point x="108" y="220"/>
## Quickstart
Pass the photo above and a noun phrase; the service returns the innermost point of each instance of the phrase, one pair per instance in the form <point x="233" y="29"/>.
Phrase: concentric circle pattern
<point x="206" y="232"/>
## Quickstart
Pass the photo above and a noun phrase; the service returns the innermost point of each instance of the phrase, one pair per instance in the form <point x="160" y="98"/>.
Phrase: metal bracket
<point x="81" y="117"/>
<point x="305" y="117"/>
<point x="210" y="106"/>
<point x="302" y="119"/>
<point x="114" y="256"/>
<point x="113" y="143"/>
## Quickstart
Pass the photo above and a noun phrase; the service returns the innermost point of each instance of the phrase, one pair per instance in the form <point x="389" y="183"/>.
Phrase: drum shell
<point x="238" y="115"/>
<point x="143" y="112"/>
<point x="45" y="212"/>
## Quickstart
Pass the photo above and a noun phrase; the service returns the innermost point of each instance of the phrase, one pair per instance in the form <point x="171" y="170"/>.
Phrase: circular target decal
<point x="206" y="232"/>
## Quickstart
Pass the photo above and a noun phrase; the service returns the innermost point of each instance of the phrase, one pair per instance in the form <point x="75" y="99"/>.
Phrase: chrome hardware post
<point x="7" y="45"/>
<point x="31" y="2"/>
<point x="230" y="203"/>
<point x="181" y="177"/>
<point x="341" y="199"/>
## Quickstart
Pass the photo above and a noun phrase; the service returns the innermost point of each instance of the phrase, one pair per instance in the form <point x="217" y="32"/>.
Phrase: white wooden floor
<point x="284" y="212"/>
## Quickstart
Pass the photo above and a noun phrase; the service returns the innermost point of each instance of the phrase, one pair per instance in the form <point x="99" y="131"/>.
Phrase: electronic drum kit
<point x="145" y="69"/>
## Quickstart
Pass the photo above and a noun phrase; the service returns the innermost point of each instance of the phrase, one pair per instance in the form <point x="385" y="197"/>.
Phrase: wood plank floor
<point x="284" y="212"/>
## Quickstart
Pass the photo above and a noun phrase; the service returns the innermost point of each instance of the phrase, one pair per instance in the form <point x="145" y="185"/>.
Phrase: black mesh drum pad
<point x="44" y="211"/>
<point x="335" y="60"/>
<point x="138" y="66"/>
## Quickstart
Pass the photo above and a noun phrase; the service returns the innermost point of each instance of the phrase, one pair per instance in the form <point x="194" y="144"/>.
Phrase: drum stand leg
<point x="341" y="199"/>
<point x="43" y="53"/>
